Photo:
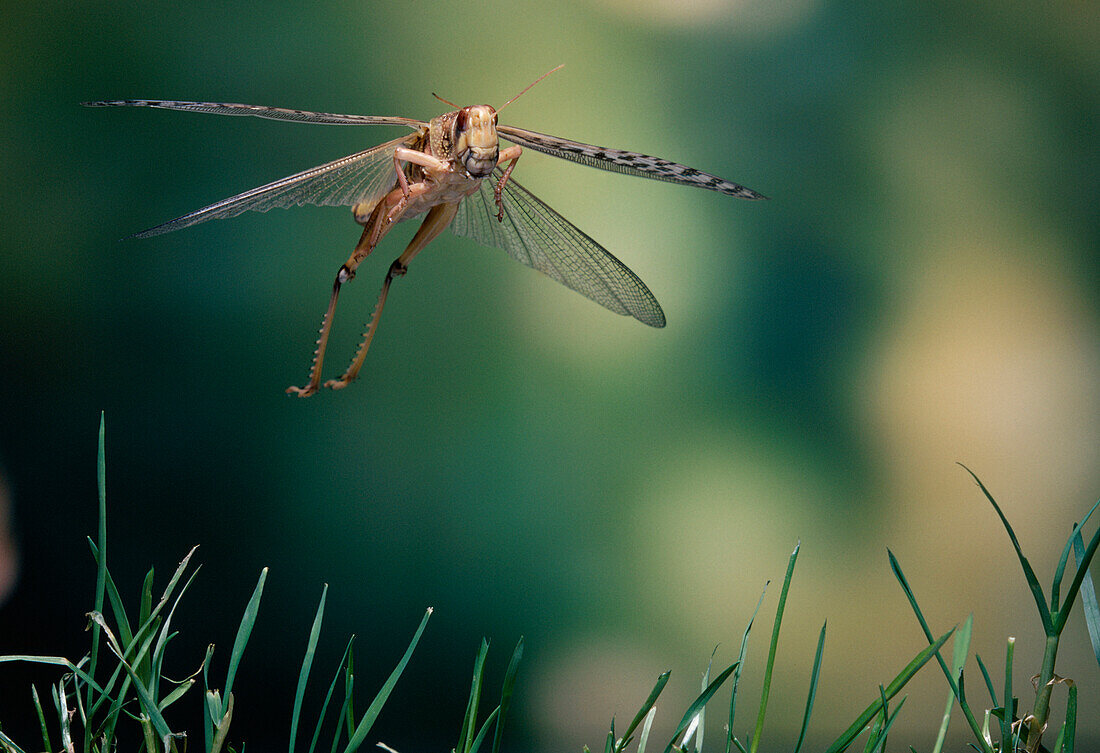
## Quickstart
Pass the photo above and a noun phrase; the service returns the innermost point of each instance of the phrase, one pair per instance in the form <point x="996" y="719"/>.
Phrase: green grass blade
<point x="644" y="737"/>
<point x="79" y="702"/>
<point x="506" y="693"/>
<point x="61" y="713"/>
<point x="211" y="701"/>
<point x="644" y="711"/>
<point x="163" y="636"/>
<point x="476" y="744"/>
<point x="41" y="720"/>
<point x="64" y="716"/>
<point x="101" y="565"/>
<point x="144" y="618"/>
<point x="849" y="735"/>
<point x="222" y="727"/>
<point x="150" y="623"/>
<point x="885" y="733"/>
<point x="59" y="661"/>
<point x="961" y="650"/>
<point x="243" y="632"/>
<point x="339" y="724"/>
<point x="307" y="664"/>
<point x="877" y="738"/>
<point x="773" y="649"/>
<point x="176" y="694"/>
<point x="988" y="680"/>
<point x="384" y="693"/>
<point x="1009" y="709"/>
<point x="968" y="713"/>
<point x="872" y="735"/>
<point x="814" y="674"/>
<point x="107" y="731"/>
<point x="1073" y="542"/>
<point x="9" y="744"/>
<point x="1075" y="587"/>
<point x="1089" y="514"/>
<point x="146" y="604"/>
<point x="1059" y="573"/>
<point x="700" y="727"/>
<point x="349" y="697"/>
<point x="145" y="698"/>
<point x="699" y="703"/>
<point x="141" y="654"/>
<point x="213" y="705"/>
<point x="1059" y="742"/>
<point x="1029" y="574"/>
<point x="983" y="735"/>
<point x="469" y="721"/>
<point x="328" y="697"/>
<point x="895" y="567"/>
<point x="731" y="739"/>
<point x="1071" y="719"/>
<point x="1088" y="597"/>
<point x="122" y="624"/>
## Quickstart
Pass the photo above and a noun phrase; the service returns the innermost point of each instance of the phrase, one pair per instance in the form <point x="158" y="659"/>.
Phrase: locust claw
<point x="301" y="391"/>
<point x="337" y="384"/>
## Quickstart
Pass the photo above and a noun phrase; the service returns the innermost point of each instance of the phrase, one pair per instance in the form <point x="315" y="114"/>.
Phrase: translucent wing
<point x="536" y="235"/>
<point x="631" y="163"/>
<point x="260" y="111"/>
<point x="361" y="177"/>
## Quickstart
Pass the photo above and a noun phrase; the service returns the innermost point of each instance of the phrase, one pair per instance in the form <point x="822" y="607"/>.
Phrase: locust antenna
<point x="540" y="78"/>
<point x="452" y="104"/>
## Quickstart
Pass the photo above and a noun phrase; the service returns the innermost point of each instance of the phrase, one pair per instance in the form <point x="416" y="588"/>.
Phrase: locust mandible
<point x="453" y="171"/>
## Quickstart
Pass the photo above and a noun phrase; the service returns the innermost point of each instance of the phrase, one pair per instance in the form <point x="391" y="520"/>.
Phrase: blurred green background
<point x="920" y="290"/>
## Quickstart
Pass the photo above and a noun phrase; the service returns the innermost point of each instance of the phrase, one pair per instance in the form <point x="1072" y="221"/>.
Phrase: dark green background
<point x="920" y="290"/>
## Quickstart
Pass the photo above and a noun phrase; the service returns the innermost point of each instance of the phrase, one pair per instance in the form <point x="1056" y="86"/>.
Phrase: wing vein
<point x="537" y="236"/>
<point x="365" y="176"/>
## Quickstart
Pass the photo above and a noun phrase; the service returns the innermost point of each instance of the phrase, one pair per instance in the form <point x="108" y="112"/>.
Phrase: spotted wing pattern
<point x="365" y="176"/>
<point x="631" y="163"/>
<point x="260" y="111"/>
<point x="539" y="237"/>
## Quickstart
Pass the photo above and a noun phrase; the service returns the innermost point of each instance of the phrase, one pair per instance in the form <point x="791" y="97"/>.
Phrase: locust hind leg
<point x="373" y="230"/>
<point x="437" y="219"/>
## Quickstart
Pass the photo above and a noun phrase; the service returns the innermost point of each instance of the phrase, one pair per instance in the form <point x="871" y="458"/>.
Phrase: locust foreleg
<point x="511" y="156"/>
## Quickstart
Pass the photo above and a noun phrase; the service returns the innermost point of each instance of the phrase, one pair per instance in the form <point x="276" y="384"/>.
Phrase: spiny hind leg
<point x="381" y="219"/>
<point x="397" y="269"/>
<point x="372" y="232"/>
<point x="437" y="219"/>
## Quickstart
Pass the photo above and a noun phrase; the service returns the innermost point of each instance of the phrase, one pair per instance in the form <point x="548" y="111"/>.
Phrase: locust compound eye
<point x="460" y="120"/>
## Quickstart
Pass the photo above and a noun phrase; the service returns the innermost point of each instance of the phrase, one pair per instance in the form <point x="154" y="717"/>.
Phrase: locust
<point x="453" y="171"/>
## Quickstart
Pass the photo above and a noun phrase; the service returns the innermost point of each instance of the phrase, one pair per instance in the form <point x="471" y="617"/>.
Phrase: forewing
<point x="631" y="163"/>
<point x="362" y="177"/>
<point x="260" y="111"/>
<point x="536" y="235"/>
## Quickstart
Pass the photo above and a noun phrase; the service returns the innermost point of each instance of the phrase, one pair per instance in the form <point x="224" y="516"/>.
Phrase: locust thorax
<point x="469" y="137"/>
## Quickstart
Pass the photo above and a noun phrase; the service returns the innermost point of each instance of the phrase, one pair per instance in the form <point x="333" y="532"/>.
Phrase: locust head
<point x="474" y="137"/>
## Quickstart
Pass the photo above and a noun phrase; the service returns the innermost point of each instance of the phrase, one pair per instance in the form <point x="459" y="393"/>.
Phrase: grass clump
<point x="120" y="682"/>
<point x="1003" y="726"/>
